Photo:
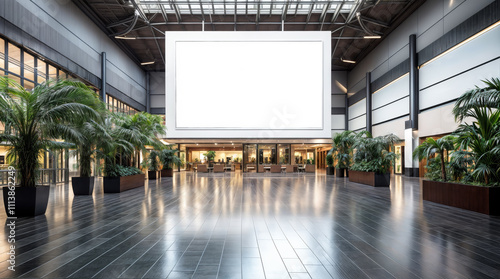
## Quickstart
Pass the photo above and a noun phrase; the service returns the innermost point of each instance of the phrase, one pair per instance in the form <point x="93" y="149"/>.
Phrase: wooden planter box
<point x="167" y="173"/>
<point x="29" y="201"/>
<point x="475" y="198"/>
<point x="124" y="183"/>
<point x="370" y="178"/>
<point x="152" y="174"/>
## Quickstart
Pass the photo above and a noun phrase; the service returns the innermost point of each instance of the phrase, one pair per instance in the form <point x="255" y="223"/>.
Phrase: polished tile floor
<point x="254" y="226"/>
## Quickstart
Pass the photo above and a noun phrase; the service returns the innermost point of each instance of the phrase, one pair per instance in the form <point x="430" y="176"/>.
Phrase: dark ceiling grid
<point x="155" y="17"/>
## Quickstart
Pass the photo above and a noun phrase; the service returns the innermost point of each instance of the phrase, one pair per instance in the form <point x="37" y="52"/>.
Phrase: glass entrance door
<point x="249" y="157"/>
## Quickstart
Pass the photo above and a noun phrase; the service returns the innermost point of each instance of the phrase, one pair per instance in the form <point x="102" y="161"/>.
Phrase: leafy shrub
<point x="372" y="154"/>
<point x="111" y="170"/>
<point x="329" y="160"/>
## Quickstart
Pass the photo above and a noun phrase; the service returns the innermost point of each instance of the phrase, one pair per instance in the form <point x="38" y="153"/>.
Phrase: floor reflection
<point x="253" y="226"/>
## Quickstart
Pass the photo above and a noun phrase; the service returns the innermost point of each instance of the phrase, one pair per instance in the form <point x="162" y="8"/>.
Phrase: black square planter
<point x="82" y="185"/>
<point x="29" y="201"/>
<point x="152" y="174"/>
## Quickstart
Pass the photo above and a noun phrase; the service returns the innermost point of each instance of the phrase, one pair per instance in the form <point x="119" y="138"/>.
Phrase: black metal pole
<point x="368" y="102"/>
<point x="103" y="77"/>
<point x="414" y="107"/>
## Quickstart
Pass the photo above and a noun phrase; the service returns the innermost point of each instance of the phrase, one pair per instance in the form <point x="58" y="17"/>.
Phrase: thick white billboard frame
<point x="178" y="127"/>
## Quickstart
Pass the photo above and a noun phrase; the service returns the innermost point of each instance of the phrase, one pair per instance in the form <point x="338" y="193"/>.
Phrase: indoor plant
<point x="329" y="162"/>
<point x="210" y="157"/>
<point x="90" y="132"/>
<point x="169" y="159"/>
<point x="118" y="177"/>
<point x="440" y="148"/>
<point x="153" y="164"/>
<point x="342" y="151"/>
<point x="477" y="154"/>
<point x="32" y="120"/>
<point x="372" y="159"/>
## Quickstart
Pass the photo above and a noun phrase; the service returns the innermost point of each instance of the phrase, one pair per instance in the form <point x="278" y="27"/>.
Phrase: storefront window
<point x="284" y="154"/>
<point x="267" y="154"/>
<point x="249" y="157"/>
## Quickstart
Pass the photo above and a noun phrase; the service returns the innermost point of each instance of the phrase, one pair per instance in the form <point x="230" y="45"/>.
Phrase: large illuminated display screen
<point x="248" y="84"/>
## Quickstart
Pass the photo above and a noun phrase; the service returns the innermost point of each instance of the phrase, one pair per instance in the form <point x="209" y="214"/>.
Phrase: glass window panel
<point x="2" y="53"/>
<point x="14" y="59"/>
<point x="42" y="68"/>
<point x="29" y="66"/>
<point x="284" y="153"/>
<point x="28" y="85"/>
<point x="52" y="72"/>
<point x="15" y="78"/>
<point x="267" y="154"/>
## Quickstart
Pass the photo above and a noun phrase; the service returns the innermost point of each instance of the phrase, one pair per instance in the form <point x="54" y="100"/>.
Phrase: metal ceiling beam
<point x="353" y="10"/>
<point x="176" y="10"/>
<point x="373" y="21"/>
<point x="123" y="21"/>
<point x="129" y="28"/>
<point x="309" y="15"/>
<point x="337" y="12"/>
<point x="202" y="11"/>
<point x="322" y="17"/>
<point x="285" y="10"/>
<point x="239" y="23"/>
<point x="257" y="16"/>
<point x="163" y="12"/>
<point x="337" y="43"/>
<point x="184" y="2"/>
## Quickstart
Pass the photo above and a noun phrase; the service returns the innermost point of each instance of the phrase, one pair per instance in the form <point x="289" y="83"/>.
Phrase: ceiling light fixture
<point x="347" y="61"/>
<point x="147" y="63"/>
<point x="372" y="37"/>
<point x="125" y="38"/>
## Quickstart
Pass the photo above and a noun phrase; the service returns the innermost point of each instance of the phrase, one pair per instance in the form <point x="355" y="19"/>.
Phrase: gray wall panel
<point x="59" y="31"/>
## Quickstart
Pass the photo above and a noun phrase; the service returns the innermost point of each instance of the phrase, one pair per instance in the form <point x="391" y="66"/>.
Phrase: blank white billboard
<point x="248" y="85"/>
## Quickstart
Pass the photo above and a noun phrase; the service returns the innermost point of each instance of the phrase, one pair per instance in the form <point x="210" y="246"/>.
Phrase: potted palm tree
<point x="145" y="129"/>
<point x="210" y="157"/>
<point x="477" y="146"/>
<point x="329" y="162"/>
<point x="118" y="177"/>
<point x="90" y="131"/>
<point x="342" y="151"/>
<point x="153" y="164"/>
<point x="169" y="159"/>
<point x="373" y="159"/>
<point x="440" y="148"/>
<point x="32" y="120"/>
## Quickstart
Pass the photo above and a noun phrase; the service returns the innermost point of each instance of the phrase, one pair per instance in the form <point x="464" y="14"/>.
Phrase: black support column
<point x="346" y="127"/>
<point x="414" y="107"/>
<point x="103" y="77"/>
<point x="411" y="126"/>
<point x="369" y="102"/>
<point x="148" y="94"/>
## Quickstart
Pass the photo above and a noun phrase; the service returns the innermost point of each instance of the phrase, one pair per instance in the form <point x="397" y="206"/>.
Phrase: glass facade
<point x="29" y="69"/>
